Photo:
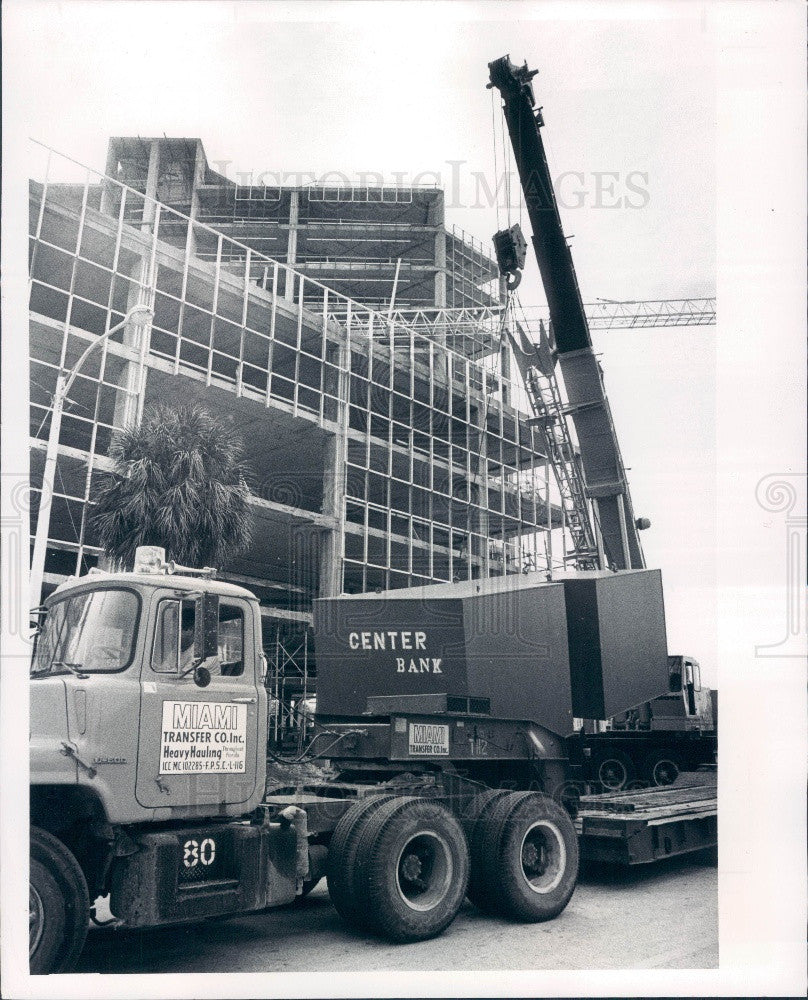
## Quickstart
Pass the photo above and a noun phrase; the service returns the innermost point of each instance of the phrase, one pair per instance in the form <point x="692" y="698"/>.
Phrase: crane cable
<point x="494" y="143"/>
<point x="506" y="166"/>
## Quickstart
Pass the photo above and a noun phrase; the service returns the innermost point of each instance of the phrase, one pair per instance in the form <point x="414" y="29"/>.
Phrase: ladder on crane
<point x="537" y="367"/>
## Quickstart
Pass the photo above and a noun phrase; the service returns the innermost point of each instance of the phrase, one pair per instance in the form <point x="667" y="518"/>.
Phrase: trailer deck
<point x="636" y="827"/>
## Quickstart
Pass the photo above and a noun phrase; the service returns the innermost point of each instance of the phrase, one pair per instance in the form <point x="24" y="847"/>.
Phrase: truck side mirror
<point x="201" y="676"/>
<point x="206" y="627"/>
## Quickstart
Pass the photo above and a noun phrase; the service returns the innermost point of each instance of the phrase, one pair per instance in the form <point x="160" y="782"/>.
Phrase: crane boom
<point x="602" y="464"/>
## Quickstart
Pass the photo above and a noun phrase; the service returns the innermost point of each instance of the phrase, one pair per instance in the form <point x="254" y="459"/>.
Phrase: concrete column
<point x="505" y="366"/>
<point x="291" y="254"/>
<point x="440" y="268"/>
<point x="127" y="403"/>
<point x="481" y="466"/>
<point x="110" y="197"/>
<point x="437" y="217"/>
<point x="331" y="551"/>
<point x="151" y="185"/>
<point x="197" y="179"/>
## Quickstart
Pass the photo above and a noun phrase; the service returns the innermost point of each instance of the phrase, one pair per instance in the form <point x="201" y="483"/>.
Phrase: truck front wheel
<point x="58" y="906"/>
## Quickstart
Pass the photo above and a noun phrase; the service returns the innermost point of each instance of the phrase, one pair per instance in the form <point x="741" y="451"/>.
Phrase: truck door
<point x="689" y="685"/>
<point x="198" y="746"/>
<point x="703" y="700"/>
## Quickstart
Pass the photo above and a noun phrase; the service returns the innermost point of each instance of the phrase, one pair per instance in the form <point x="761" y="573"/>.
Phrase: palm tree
<point x="179" y="481"/>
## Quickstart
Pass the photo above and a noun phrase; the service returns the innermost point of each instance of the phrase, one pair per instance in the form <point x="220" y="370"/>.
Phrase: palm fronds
<point x="179" y="481"/>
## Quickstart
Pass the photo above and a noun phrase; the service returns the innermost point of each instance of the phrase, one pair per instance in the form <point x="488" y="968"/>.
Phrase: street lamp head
<point x="146" y="311"/>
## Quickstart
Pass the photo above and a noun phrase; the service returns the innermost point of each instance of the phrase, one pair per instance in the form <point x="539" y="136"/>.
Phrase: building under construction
<point x="385" y="454"/>
<point x="354" y="341"/>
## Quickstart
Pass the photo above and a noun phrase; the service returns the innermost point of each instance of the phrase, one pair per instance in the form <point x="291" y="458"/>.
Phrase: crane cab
<point x="687" y="704"/>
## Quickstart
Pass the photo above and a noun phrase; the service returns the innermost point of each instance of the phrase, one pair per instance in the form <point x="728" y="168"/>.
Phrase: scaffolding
<point x="472" y="277"/>
<point x="289" y="682"/>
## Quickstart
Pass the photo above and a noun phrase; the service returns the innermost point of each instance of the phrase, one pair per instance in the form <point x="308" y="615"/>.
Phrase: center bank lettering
<point x="399" y="640"/>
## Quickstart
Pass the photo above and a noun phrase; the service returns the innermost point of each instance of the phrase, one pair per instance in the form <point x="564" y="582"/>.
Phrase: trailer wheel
<point x="416" y="869"/>
<point x="615" y="770"/>
<point x="341" y="861"/>
<point x="660" y="769"/>
<point x="530" y="857"/>
<point x="58" y="906"/>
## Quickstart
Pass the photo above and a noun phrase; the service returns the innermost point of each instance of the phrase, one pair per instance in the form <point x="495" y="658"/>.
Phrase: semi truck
<point x="450" y="716"/>
<point x="444" y="713"/>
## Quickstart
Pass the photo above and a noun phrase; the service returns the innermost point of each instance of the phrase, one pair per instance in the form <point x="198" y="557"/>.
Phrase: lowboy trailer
<point x="637" y="827"/>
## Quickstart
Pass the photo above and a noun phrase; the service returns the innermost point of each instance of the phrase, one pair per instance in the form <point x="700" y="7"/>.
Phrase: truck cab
<point x="129" y="709"/>
<point x="147" y="758"/>
<point x="687" y="705"/>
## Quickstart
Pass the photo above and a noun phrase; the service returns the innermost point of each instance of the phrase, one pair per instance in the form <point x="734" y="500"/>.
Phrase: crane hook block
<point x="510" y="247"/>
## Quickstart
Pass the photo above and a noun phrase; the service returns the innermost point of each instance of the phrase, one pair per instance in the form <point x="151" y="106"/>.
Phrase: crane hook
<point x="514" y="280"/>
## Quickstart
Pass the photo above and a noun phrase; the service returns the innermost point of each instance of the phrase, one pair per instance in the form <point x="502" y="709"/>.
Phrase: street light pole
<point x="63" y="384"/>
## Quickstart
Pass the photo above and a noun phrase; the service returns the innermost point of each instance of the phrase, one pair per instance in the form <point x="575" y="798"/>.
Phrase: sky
<point x="628" y="94"/>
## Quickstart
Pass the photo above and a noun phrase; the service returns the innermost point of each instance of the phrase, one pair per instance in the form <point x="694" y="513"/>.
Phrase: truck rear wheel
<point x="528" y="858"/>
<point x="414" y="869"/>
<point x="342" y="852"/>
<point x="475" y="821"/>
<point x="58" y="906"/>
<point x="476" y="806"/>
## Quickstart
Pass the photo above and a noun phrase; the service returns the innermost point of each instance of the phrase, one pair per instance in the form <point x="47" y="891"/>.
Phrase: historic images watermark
<point x="464" y="188"/>
<point x="784" y="493"/>
<point x="14" y="538"/>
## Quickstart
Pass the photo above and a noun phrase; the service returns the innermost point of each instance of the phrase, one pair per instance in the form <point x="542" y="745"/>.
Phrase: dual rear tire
<point x="524" y="856"/>
<point x="398" y="867"/>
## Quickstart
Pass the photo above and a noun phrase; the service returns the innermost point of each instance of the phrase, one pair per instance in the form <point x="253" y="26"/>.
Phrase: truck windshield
<point x="93" y="632"/>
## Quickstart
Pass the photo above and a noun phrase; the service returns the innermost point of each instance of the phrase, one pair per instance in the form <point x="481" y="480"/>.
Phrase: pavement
<point x="663" y="915"/>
